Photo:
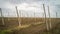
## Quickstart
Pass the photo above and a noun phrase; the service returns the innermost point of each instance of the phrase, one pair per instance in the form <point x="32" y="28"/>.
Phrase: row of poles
<point x="49" y="26"/>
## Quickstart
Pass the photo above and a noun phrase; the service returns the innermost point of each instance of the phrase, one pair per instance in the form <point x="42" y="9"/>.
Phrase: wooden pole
<point x="50" y="24"/>
<point x="18" y="16"/>
<point x="34" y="17"/>
<point x="2" y="17"/>
<point x="56" y="14"/>
<point x="56" y="17"/>
<point x="45" y="18"/>
<point x="8" y="15"/>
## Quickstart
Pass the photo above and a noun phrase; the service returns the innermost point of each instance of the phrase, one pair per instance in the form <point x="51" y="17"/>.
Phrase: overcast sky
<point x="28" y="7"/>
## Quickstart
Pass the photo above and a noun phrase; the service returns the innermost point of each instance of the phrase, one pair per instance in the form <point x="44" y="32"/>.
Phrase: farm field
<point x="29" y="25"/>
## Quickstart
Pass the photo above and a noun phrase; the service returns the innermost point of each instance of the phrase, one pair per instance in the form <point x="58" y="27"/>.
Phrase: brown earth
<point x="13" y="22"/>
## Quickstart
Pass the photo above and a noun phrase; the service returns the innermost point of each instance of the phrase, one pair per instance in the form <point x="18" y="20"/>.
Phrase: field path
<point x="34" y="29"/>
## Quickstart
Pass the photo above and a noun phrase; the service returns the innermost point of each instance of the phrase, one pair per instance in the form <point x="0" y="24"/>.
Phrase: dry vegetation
<point x="29" y="25"/>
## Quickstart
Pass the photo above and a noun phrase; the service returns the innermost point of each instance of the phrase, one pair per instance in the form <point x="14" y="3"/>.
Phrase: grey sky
<point x="29" y="7"/>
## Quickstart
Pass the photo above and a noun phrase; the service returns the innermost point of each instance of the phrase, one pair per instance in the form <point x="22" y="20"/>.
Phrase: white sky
<point x="29" y="7"/>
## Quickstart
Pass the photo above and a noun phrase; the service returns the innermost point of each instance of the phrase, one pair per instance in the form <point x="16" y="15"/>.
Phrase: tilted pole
<point x="50" y="24"/>
<point x="2" y="16"/>
<point x="45" y="18"/>
<point x="18" y="16"/>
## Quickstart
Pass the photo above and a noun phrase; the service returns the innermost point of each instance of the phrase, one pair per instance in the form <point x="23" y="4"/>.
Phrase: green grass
<point x="5" y="31"/>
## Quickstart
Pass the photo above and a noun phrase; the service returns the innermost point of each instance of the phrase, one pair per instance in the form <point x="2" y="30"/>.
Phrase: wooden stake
<point x="2" y="16"/>
<point x="8" y="15"/>
<point x="45" y="18"/>
<point x="18" y="16"/>
<point x="49" y="18"/>
<point x="56" y="14"/>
